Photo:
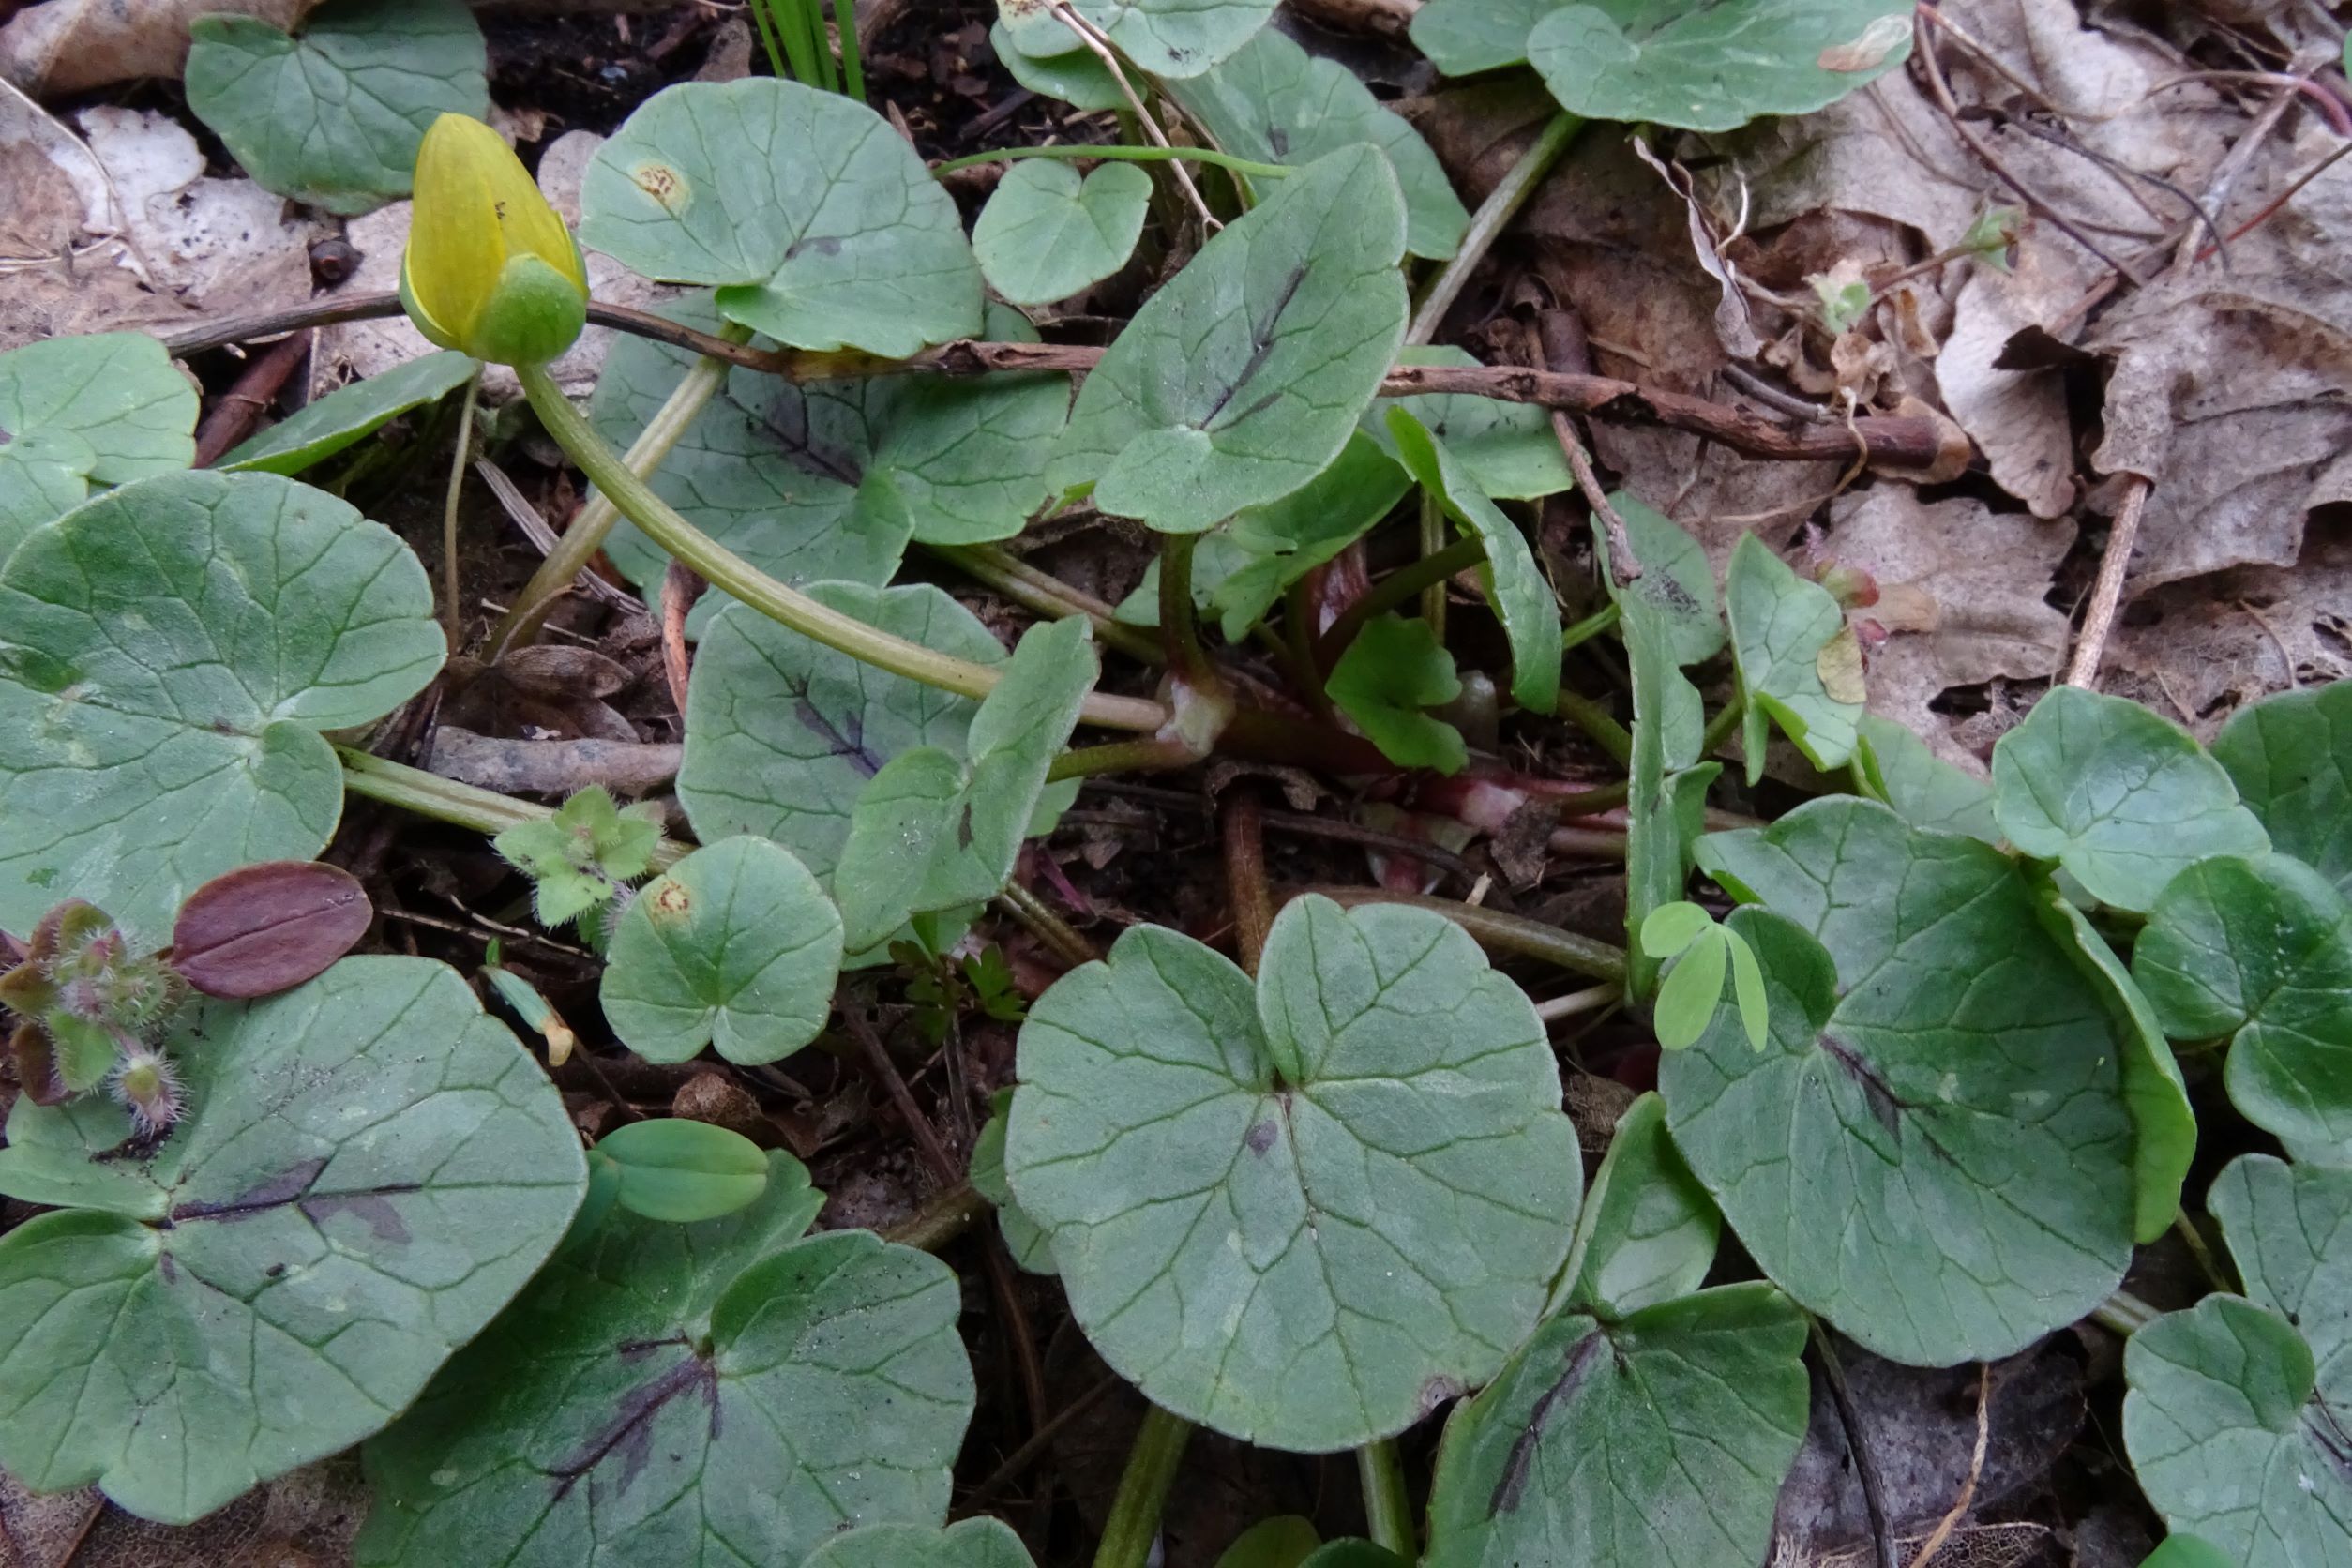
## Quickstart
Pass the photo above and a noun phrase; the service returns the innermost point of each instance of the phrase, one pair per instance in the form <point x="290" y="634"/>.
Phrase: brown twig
<point x="1945" y="1526"/>
<point x="886" y="1076"/>
<point x="1030" y="1452"/>
<point x="1556" y="345"/>
<point x="233" y="417"/>
<point x="1897" y="440"/>
<point x="680" y="585"/>
<point x="1240" y="827"/>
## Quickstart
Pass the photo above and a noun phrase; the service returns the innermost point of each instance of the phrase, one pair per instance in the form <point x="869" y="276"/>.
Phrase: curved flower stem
<point x="1122" y="154"/>
<point x="1135" y="1512"/>
<point x="452" y="615"/>
<point x="1387" y="1508"/>
<point x="724" y="569"/>
<point x="445" y="800"/>
<point x="1508" y="933"/>
<point x="1486" y="224"/>
<point x="1046" y="594"/>
<point x="1592" y="626"/>
<point x="586" y="536"/>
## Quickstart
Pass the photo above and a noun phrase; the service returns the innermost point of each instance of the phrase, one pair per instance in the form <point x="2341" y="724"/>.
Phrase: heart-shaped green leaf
<point x="81" y="411"/>
<point x="369" y="1171"/>
<point x="1514" y="584"/>
<point x="934" y="831"/>
<point x="682" y="1171"/>
<point x="1166" y="37"/>
<point x="1780" y="626"/>
<point x="816" y="221"/>
<point x="684" y="1396"/>
<point x="782" y="733"/>
<point x="1942" y="1081"/>
<point x="1024" y="1238"/>
<point x="2238" y="1407"/>
<point x="1509" y="448"/>
<point x="1274" y="103"/>
<point x="1243" y="378"/>
<point x="1648" y="1233"/>
<point x="1045" y="232"/>
<point x="335" y="117"/>
<point x="1391" y="672"/>
<point x="169" y="653"/>
<point x="735" y="946"/>
<point x="1713" y="64"/>
<point x="1662" y="1438"/>
<point x="1925" y="790"/>
<point x="828" y="481"/>
<point x="978" y="1543"/>
<point x="346" y="417"/>
<point x="2260" y="951"/>
<point x="2120" y="796"/>
<point x="1463" y="37"/>
<point x="1303" y="1212"/>
<point x="1072" y="72"/>
<point x="2290" y="756"/>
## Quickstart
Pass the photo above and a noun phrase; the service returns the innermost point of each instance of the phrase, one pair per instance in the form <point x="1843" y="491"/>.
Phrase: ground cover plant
<point x="1104" y="905"/>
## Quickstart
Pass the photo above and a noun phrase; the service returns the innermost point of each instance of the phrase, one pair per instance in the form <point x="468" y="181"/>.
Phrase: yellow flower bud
<point x="490" y="269"/>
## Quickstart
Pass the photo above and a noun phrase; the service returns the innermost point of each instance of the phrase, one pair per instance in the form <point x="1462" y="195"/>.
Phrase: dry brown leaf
<point x="71" y="46"/>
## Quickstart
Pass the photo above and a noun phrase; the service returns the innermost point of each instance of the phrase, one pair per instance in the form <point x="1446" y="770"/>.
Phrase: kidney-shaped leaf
<point x="368" y="1169"/>
<point x="345" y="417"/>
<point x="74" y="412"/>
<point x="978" y="1543"/>
<point x="1243" y="378"/>
<point x="1934" y="1150"/>
<point x="267" y="927"/>
<point x="685" y="1397"/>
<point x="816" y="221"/>
<point x="1659" y="1441"/>
<point x="828" y="481"/>
<point x="169" y="653"/>
<point x="1386" y="677"/>
<point x="1714" y="66"/>
<point x="1465" y="37"/>
<point x="2238" y="1407"/>
<point x="735" y="946"/>
<point x="1166" y="37"/>
<point x="2120" y="796"/>
<point x="935" y="831"/>
<point x="2290" y="756"/>
<point x="1275" y="102"/>
<point x="335" y="117"/>
<point x="1045" y="232"/>
<point x="1304" y="1212"/>
<point x="1514" y="584"/>
<point x="2260" y="949"/>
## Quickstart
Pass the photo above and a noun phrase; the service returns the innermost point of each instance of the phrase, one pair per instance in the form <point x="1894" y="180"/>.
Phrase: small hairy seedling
<point x="584" y="856"/>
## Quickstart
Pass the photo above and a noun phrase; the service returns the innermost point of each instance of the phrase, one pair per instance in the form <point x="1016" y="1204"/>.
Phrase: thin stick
<point x="680" y="585"/>
<point x="1959" y="1511"/>
<point x="2106" y="594"/>
<point x="1574" y="1003"/>
<point x="1865" y="1460"/>
<point x="1486" y="224"/>
<point x="1508" y="933"/>
<point x="1241" y="825"/>
<point x="893" y="1084"/>
<point x="941" y="1220"/>
<point x="1029" y="1453"/>
<point x="241" y="406"/>
<point x="1063" y="939"/>
<point x="1432" y="541"/>
<point x="1099" y="46"/>
<point x="452" y="617"/>
<point x="463" y="806"/>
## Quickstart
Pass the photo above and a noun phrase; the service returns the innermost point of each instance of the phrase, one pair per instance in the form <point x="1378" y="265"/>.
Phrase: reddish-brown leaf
<point x="264" y="928"/>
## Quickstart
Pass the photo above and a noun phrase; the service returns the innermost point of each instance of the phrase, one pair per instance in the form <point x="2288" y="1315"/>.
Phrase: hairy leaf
<point x="1303" y="1212"/>
<point x="368" y="1171"/>
<point x="263" y="612"/>
<point x="1243" y="378"/>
